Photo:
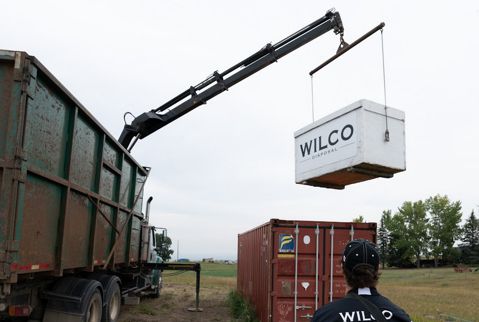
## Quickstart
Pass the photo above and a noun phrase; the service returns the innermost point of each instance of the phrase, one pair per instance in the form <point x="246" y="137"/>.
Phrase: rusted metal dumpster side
<point x="67" y="188"/>
<point x="287" y="269"/>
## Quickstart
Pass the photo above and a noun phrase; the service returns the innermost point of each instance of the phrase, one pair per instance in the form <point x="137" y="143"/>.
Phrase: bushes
<point x="240" y="309"/>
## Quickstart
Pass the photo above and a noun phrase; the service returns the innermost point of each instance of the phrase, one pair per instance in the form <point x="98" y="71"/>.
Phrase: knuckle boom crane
<point x="151" y="121"/>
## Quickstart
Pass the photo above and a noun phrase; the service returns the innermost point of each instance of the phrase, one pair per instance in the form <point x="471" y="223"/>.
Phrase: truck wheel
<point x="73" y="299"/>
<point x="94" y="309"/>
<point x="111" y="311"/>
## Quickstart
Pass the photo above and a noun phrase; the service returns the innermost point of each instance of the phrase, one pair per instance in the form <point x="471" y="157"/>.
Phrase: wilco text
<point x="324" y="142"/>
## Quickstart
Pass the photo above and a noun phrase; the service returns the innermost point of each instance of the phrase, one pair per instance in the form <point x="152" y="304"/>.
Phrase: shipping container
<point x="360" y="142"/>
<point x="70" y="196"/>
<point x="288" y="268"/>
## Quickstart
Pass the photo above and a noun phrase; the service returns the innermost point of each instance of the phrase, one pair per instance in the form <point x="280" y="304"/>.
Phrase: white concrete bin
<point x="349" y="146"/>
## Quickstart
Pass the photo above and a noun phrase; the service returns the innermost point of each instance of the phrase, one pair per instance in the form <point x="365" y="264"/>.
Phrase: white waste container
<point x="351" y="146"/>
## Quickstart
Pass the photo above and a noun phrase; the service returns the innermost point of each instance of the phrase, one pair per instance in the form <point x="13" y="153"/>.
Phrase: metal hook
<point x="124" y="116"/>
<point x="342" y="45"/>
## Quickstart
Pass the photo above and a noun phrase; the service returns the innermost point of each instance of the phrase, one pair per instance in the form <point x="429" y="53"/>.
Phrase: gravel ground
<point x="173" y="304"/>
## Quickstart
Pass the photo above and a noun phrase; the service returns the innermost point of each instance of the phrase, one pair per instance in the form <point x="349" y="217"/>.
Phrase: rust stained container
<point x="287" y="269"/>
<point x="66" y="185"/>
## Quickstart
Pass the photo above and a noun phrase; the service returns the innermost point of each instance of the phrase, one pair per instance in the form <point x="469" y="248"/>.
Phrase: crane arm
<point x="151" y="121"/>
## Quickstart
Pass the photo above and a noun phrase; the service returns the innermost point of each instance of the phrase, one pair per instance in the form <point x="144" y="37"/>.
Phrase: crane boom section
<point x="151" y="121"/>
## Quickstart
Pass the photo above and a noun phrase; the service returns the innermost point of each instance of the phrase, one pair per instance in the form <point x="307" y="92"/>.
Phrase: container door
<point x="337" y="236"/>
<point x="307" y="269"/>
<point x="297" y="272"/>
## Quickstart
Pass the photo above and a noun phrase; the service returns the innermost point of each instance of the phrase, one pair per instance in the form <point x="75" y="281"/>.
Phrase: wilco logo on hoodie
<point x="361" y="316"/>
<point x="326" y="144"/>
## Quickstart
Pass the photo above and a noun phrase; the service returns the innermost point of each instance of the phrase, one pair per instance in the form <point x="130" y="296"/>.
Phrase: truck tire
<point x="111" y="295"/>
<point x="111" y="310"/>
<point x="74" y="300"/>
<point x="92" y="313"/>
<point x="94" y="310"/>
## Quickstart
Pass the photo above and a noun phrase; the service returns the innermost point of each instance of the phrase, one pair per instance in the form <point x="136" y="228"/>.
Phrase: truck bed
<point x="67" y="187"/>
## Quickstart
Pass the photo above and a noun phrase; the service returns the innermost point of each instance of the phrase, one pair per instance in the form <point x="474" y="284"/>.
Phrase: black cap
<point x="360" y="251"/>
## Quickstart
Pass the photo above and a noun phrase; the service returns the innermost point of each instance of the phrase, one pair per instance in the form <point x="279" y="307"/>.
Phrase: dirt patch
<point x="173" y="304"/>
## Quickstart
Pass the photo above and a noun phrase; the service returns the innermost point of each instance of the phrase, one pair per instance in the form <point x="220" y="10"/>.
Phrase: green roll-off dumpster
<point x="73" y="237"/>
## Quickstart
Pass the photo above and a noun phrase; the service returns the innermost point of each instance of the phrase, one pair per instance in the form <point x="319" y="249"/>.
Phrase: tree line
<point x="428" y="232"/>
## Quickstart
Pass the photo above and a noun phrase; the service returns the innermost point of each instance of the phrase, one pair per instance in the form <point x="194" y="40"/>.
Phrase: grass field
<point x="433" y="294"/>
<point x="212" y="275"/>
<point x="426" y="294"/>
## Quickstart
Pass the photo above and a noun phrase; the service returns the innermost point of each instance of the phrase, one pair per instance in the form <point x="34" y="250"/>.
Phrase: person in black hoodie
<point x="363" y="303"/>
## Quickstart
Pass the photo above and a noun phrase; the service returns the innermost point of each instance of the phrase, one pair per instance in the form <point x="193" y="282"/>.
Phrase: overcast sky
<point x="229" y="165"/>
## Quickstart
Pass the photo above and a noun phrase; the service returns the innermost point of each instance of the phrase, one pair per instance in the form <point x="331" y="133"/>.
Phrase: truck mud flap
<point x="70" y="298"/>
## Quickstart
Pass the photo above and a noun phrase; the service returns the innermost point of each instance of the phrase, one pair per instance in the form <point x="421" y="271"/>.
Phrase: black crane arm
<point x="151" y="121"/>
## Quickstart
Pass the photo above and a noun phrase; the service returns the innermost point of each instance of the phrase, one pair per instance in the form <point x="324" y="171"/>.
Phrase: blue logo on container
<point x="286" y="243"/>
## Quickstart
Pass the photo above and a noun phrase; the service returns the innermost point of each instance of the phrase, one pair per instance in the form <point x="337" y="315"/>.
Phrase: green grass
<point x="433" y="294"/>
<point x="213" y="275"/>
<point x="240" y="309"/>
<point x="145" y="308"/>
<point x="218" y="270"/>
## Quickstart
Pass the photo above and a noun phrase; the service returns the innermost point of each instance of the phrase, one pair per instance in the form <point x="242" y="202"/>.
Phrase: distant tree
<point x="163" y="247"/>
<point x="470" y="238"/>
<point x="359" y="219"/>
<point x="470" y="231"/>
<point x="416" y="225"/>
<point x="384" y="237"/>
<point x="400" y="251"/>
<point x="444" y="228"/>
